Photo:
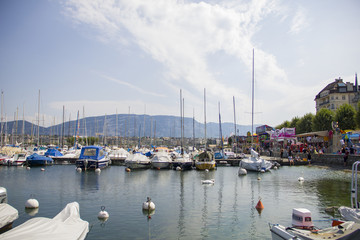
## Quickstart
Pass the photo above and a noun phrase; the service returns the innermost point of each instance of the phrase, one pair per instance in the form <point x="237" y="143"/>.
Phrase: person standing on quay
<point x="346" y="156"/>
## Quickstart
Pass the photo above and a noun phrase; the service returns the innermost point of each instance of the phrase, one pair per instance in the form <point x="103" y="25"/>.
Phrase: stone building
<point x="338" y="93"/>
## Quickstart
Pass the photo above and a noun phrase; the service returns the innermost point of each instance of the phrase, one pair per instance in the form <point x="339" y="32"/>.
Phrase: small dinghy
<point x="66" y="225"/>
<point x="303" y="228"/>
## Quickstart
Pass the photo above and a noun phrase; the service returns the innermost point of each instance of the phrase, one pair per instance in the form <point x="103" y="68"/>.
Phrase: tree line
<point x="345" y="117"/>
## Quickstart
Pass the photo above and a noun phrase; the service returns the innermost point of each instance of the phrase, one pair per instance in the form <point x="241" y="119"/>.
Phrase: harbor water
<point x="185" y="208"/>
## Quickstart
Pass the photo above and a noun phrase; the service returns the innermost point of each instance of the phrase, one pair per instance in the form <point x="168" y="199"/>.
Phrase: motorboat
<point x="303" y="228"/>
<point x="66" y="225"/>
<point x="205" y="161"/>
<point x="8" y="214"/>
<point x="255" y="163"/>
<point x="119" y="154"/>
<point x="181" y="161"/>
<point x="92" y="157"/>
<point x="352" y="213"/>
<point x="137" y="160"/>
<point x="38" y="160"/>
<point x="161" y="158"/>
<point x="18" y="159"/>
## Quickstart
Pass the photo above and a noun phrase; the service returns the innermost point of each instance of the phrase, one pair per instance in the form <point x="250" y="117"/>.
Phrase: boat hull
<point x="91" y="164"/>
<point x="205" y="165"/>
<point x="254" y="164"/>
<point x="137" y="165"/>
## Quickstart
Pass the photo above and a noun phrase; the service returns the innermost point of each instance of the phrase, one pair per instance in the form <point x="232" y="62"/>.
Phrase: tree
<point x="323" y="119"/>
<point x="345" y="116"/>
<point x="305" y="124"/>
<point x="285" y="124"/>
<point x="357" y="116"/>
<point x="294" y="122"/>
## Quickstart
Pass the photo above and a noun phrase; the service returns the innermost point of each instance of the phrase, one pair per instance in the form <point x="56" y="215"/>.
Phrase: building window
<point x="332" y="97"/>
<point x="332" y="106"/>
<point x="343" y="97"/>
<point x="336" y="98"/>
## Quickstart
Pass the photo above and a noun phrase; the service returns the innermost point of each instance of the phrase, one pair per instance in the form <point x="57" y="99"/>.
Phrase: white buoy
<point x="211" y="181"/>
<point x="98" y="170"/>
<point x="78" y="169"/>
<point x="42" y="169"/>
<point x="301" y="179"/>
<point x="178" y="168"/>
<point x="259" y="178"/>
<point x="32" y="203"/>
<point x="242" y="171"/>
<point x="103" y="215"/>
<point x="275" y="168"/>
<point x="148" y="205"/>
<point x="27" y="168"/>
<point x="206" y="170"/>
<point x="262" y="170"/>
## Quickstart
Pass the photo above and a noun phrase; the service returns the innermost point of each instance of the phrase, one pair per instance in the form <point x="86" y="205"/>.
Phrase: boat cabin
<point x="301" y="217"/>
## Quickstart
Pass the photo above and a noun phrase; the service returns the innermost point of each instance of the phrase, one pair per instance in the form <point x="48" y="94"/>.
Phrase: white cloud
<point x="299" y="21"/>
<point x="182" y="36"/>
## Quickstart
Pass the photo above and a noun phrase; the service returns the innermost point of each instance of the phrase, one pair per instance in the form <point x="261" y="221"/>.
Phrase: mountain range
<point x="130" y="125"/>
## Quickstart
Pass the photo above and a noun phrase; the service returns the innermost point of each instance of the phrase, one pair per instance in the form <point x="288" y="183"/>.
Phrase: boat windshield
<point x="90" y="152"/>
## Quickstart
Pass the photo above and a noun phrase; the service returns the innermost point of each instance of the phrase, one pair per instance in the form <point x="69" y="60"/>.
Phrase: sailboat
<point x="254" y="162"/>
<point x="205" y="160"/>
<point x="181" y="159"/>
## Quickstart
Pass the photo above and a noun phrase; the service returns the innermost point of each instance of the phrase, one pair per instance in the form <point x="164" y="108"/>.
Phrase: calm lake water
<point x="185" y="208"/>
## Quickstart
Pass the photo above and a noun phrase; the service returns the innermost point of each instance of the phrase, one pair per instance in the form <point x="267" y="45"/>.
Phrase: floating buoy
<point x="178" y="168"/>
<point x="242" y="171"/>
<point x="259" y="178"/>
<point x="127" y="169"/>
<point x="103" y="215"/>
<point x="27" y="168"/>
<point x="211" y="181"/>
<point x="78" y="169"/>
<point x="98" y="170"/>
<point x="301" y="179"/>
<point x="259" y="205"/>
<point x="262" y="170"/>
<point x="31" y="203"/>
<point x="206" y="170"/>
<point x="148" y="205"/>
<point x="275" y="168"/>
<point x="42" y="169"/>
<point x="158" y="168"/>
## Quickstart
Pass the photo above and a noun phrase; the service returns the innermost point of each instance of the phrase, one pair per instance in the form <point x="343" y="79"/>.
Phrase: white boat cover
<point x="350" y="214"/>
<point x="66" y="225"/>
<point x="8" y="214"/>
<point x="255" y="163"/>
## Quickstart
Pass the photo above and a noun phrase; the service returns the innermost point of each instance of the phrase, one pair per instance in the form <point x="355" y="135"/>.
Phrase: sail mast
<point x="205" y="115"/>
<point x="38" y="132"/>
<point x="252" y="104"/>
<point x="235" y="140"/>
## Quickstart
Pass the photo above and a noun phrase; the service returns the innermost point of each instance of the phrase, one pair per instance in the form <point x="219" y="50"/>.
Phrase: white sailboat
<point x="254" y="162"/>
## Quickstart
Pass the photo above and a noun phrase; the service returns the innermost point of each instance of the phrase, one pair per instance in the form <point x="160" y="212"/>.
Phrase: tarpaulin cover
<point x="8" y="214"/>
<point x="66" y="225"/>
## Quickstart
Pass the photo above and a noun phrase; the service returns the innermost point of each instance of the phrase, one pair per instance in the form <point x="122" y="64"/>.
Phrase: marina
<point x="186" y="208"/>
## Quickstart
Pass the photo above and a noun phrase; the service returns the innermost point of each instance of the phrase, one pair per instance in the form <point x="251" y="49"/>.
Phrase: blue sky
<point x="109" y="56"/>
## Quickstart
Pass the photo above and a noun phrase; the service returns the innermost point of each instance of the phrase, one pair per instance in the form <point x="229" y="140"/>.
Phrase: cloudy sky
<point x="112" y="56"/>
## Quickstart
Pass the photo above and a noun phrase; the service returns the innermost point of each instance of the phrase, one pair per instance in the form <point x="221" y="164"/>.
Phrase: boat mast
<point x="23" y="125"/>
<point x="2" y="125"/>
<point x="181" y="122"/>
<point x="85" y="132"/>
<point x="205" y="116"/>
<point x="220" y="133"/>
<point x="193" y="130"/>
<point x="252" y="104"/>
<point x="63" y="128"/>
<point x="235" y="140"/>
<point x="116" y="129"/>
<point x="38" y="132"/>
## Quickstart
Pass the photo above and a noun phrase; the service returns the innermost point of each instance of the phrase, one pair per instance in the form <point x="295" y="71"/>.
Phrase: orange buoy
<point x="259" y="205"/>
<point x="127" y="169"/>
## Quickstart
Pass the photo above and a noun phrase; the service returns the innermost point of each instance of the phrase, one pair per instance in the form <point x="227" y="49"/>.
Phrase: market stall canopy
<point x="310" y="134"/>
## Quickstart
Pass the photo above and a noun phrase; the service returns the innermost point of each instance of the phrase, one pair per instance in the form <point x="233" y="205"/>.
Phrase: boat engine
<point x="3" y="195"/>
